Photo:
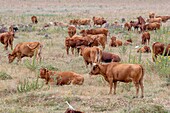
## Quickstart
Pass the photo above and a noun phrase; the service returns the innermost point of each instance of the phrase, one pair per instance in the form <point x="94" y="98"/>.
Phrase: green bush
<point x="4" y="76"/>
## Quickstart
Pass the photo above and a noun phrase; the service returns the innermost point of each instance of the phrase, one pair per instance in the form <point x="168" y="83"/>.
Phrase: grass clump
<point x="4" y="76"/>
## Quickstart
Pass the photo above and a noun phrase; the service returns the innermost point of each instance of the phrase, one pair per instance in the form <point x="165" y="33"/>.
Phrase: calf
<point x="7" y="38"/>
<point x="109" y="57"/>
<point x="114" y="72"/>
<point x="160" y="49"/>
<point x="145" y="38"/>
<point x="71" y="30"/>
<point x="144" y="49"/>
<point x="91" y="55"/>
<point x="114" y="42"/>
<point x="34" y="20"/>
<point x="26" y="49"/>
<point x="62" y="78"/>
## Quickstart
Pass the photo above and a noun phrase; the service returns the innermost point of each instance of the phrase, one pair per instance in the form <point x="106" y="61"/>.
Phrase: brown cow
<point x="26" y="49"/>
<point x="152" y="20"/>
<point x="72" y="111"/>
<point x="34" y="20"/>
<point x="144" y="49"/>
<point x="7" y="38"/>
<point x="109" y="57"/>
<point x="71" y="30"/>
<point x="152" y="26"/>
<point x="114" y="42"/>
<point x="158" y="49"/>
<point x="84" y="21"/>
<point x="99" y="21"/>
<point x="145" y="38"/>
<point x="95" y="31"/>
<point x="151" y="15"/>
<point x="164" y="18"/>
<point x="128" y="42"/>
<point x="74" y="22"/>
<point x="127" y="26"/>
<point x="134" y="25"/>
<point x="113" y="72"/>
<point x="61" y="78"/>
<point x="91" y="54"/>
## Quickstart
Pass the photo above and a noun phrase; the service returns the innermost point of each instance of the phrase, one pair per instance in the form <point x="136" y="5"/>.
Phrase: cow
<point x="114" y="42"/>
<point x="72" y="111"/>
<point x="127" y="26"/>
<point x="7" y="38"/>
<point x="71" y="30"/>
<point x="151" y="15"/>
<point x="134" y="25"/>
<point x="152" y="20"/>
<point x="26" y="49"/>
<point x="128" y="42"/>
<point x="144" y="49"/>
<point x="164" y="18"/>
<point x="114" y="72"/>
<point x="145" y="38"/>
<point x="84" y="21"/>
<point x="34" y="20"/>
<point x="95" y="31"/>
<point x="160" y="49"/>
<point x="152" y="26"/>
<point x="109" y="57"/>
<point x="99" y="21"/>
<point x="91" y="55"/>
<point x="61" y="78"/>
<point x="74" y="22"/>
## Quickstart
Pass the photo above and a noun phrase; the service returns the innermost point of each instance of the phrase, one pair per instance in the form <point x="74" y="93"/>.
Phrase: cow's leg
<point x="11" y="44"/>
<point x="137" y="89"/>
<point x="142" y="88"/>
<point x="111" y="85"/>
<point x="115" y="85"/>
<point x="6" y="46"/>
<point x="148" y="41"/>
<point x="19" y="58"/>
<point x="67" y="50"/>
<point x="72" y="50"/>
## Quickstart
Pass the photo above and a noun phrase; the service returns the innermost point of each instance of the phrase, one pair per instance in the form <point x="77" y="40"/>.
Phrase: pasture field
<point x="22" y="92"/>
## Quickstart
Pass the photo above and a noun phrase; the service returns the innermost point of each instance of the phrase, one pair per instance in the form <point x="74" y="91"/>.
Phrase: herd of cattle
<point x="86" y="45"/>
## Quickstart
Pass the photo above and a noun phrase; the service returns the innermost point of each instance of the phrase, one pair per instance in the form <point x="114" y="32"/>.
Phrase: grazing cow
<point x="153" y="20"/>
<point x="127" y="26"/>
<point x="144" y="49"/>
<point x="109" y="57"/>
<point x="114" y="42"/>
<point x="128" y="42"/>
<point x="26" y="49"/>
<point x="151" y="26"/>
<point x="145" y="38"/>
<point x="160" y="49"/>
<point x="71" y="30"/>
<point x="164" y="18"/>
<point x="99" y="21"/>
<point x="34" y="20"/>
<point x="62" y="78"/>
<point x="95" y="31"/>
<point x="91" y="55"/>
<point x="84" y="22"/>
<point x="151" y="15"/>
<point x="113" y="72"/>
<point x="7" y="38"/>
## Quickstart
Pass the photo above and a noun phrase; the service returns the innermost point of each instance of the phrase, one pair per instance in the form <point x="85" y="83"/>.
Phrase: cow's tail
<point x="142" y="74"/>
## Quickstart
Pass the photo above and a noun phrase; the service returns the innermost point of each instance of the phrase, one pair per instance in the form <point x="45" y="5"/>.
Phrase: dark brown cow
<point x="145" y="38"/>
<point x="114" y="72"/>
<point x="34" y="20"/>
<point x="71" y="30"/>
<point x="109" y="57"/>
<point x="26" y="49"/>
<point x="114" y="42"/>
<point x="158" y="49"/>
<point x="61" y="78"/>
<point x="164" y="18"/>
<point x="72" y="111"/>
<point x="144" y="49"/>
<point x="134" y="25"/>
<point x="91" y="55"/>
<point x="7" y="38"/>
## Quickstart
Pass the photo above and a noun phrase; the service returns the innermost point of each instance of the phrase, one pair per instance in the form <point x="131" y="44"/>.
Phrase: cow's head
<point x="43" y="73"/>
<point x="11" y="58"/>
<point x="95" y="69"/>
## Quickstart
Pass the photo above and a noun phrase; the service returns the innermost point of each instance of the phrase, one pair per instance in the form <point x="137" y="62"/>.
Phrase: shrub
<point x="4" y="76"/>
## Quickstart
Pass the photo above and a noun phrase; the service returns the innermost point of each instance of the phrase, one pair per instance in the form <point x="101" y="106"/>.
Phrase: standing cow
<point x="34" y="20"/>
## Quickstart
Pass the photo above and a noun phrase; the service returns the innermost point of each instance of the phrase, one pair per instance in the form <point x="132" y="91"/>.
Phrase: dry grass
<point x="92" y="96"/>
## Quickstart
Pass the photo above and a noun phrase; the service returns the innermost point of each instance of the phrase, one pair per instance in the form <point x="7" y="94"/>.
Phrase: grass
<point x="92" y="97"/>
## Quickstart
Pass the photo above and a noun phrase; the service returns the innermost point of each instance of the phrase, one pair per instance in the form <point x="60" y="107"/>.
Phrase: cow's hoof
<point x="141" y="96"/>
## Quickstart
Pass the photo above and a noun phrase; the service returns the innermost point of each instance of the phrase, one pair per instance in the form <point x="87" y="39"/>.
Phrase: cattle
<point x="128" y="42"/>
<point x="84" y="21"/>
<point x="152" y="20"/>
<point x="151" y="15"/>
<point x="95" y="31"/>
<point x="144" y="49"/>
<point x="61" y="24"/>
<point x="109" y="57"/>
<point x="134" y="25"/>
<point x="114" y="42"/>
<point x="114" y="72"/>
<point x="72" y="111"/>
<point x="26" y="49"/>
<point x="145" y="38"/>
<point x="34" y="20"/>
<point x="91" y="55"/>
<point x="71" y="30"/>
<point x="152" y="26"/>
<point x="76" y="41"/>
<point x="160" y="49"/>
<point x="61" y="78"/>
<point x="164" y="18"/>
<point x="127" y="26"/>
<point x="99" y="21"/>
<point x="7" y="38"/>
<point x="74" y="22"/>
<point x="141" y="21"/>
